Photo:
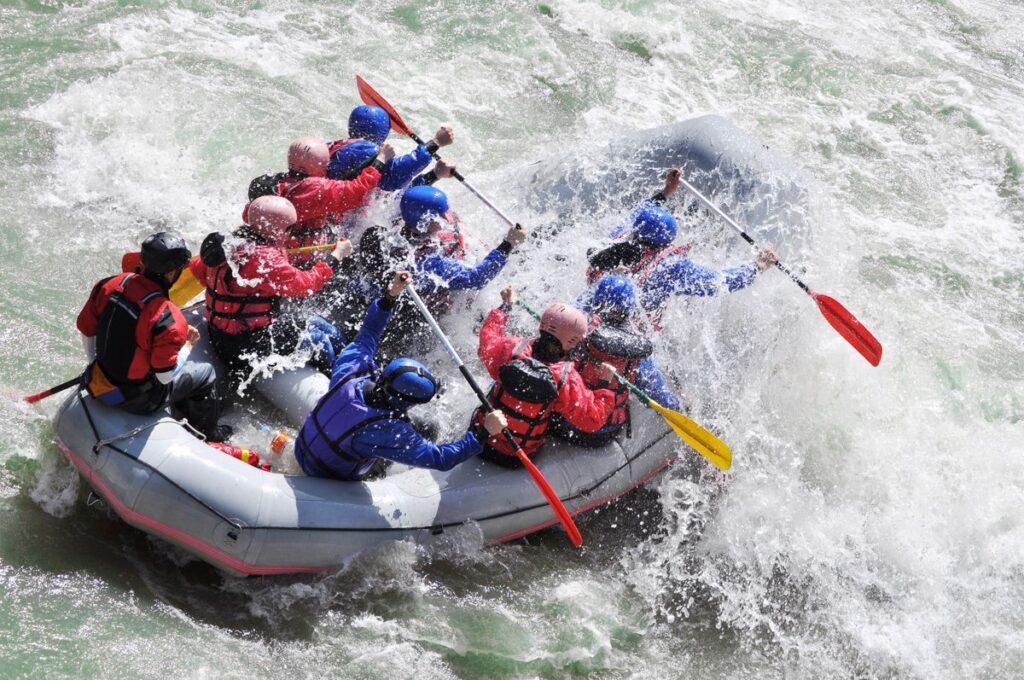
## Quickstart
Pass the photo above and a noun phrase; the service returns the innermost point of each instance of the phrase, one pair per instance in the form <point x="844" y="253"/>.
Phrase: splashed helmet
<point x="654" y="226"/>
<point x="309" y="156"/>
<point x="422" y="202"/>
<point x="270" y="216"/>
<point x="566" y="323"/>
<point x="407" y="382"/>
<point x="369" y="122"/>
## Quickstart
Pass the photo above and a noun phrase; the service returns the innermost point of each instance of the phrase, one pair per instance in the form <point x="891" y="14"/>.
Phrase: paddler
<point x="246" y="283"/>
<point x="362" y="424"/>
<point x="372" y="124"/>
<point x="134" y="337"/>
<point x="618" y="339"/>
<point x="662" y="270"/>
<point x="534" y="378"/>
<point x="314" y="195"/>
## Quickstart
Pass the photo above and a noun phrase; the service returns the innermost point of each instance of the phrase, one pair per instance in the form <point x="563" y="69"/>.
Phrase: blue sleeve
<point x="358" y="354"/>
<point x="401" y="170"/>
<point x="397" y="440"/>
<point x="457" y="276"/>
<point x="650" y="379"/>
<point x="681" y="276"/>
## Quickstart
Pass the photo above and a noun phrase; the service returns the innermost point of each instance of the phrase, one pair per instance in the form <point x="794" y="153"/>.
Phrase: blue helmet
<point x="407" y="382"/>
<point x="369" y="122"/>
<point x="614" y="291"/>
<point x="348" y="161"/>
<point x="654" y="226"/>
<point x="422" y="201"/>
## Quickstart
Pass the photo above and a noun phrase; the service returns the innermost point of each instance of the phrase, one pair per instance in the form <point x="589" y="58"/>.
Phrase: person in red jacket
<point x="314" y="196"/>
<point x="534" y="378"/>
<point x="244" y="287"/>
<point x="134" y="334"/>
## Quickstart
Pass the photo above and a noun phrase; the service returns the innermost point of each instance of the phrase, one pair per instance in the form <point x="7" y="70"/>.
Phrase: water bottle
<point x="281" y="443"/>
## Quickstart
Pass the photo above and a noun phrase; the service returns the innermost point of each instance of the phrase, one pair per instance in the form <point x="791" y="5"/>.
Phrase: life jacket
<point x="122" y="369"/>
<point x="642" y="269"/>
<point x="622" y="349"/>
<point x="324" y="442"/>
<point x="525" y="391"/>
<point x="230" y="308"/>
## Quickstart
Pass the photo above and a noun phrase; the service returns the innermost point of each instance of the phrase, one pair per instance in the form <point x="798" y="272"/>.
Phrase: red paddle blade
<point x="847" y="325"/>
<point x="39" y="396"/>
<point x="371" y="97"/>
<point x="131" y="262"/>
<point x="552" y="498"/>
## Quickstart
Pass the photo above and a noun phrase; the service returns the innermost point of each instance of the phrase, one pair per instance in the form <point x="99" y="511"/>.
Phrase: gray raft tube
<point x="159" y="478"/>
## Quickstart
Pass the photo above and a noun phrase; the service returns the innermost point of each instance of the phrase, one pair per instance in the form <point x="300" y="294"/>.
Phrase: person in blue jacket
<point x="662" y="270"/>
<point x="361" y="424"/>
<point x="372" y="124"/>
<point x="616" y="338"/>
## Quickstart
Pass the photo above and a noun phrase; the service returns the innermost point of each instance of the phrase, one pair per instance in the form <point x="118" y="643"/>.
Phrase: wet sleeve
<point x="401" y="170"/>
<point x="344" y="195"/>
<point x="651" y="380"/>
<point x="495" y="347"/>
<point x="198" y="268"/>
<point x="584" y="409"/>
<point x="458" y="276"/>
<point x="359" y="353"/>
<point x="626" y="252"/>
<point x="285" y="279"/>
<point x="397" y="440"/>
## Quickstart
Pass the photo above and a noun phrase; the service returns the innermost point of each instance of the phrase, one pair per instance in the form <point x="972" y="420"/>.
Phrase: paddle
<point x="549" y="494"/>
<point x="371" y="97"/>
<point x="39" y="396"/>
<point x="699" y="439"/>
<point x="845" y="323"/>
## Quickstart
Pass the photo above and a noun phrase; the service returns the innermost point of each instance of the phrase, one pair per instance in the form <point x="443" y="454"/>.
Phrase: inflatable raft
<point x="160" y="478"/>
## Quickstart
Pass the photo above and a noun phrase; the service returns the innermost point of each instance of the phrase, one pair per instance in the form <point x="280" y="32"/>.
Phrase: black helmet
<point x="163" y="253"/>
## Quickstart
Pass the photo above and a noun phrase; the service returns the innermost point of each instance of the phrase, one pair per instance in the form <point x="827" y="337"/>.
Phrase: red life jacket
<point x="622" y="349"/>
<point x="118" y="354"/>
<point x="233" y="309"/>
<point x="307" y="233"/>
<point x="525" y="391"/>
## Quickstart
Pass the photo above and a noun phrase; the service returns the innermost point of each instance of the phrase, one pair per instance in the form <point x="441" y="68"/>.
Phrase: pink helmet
<point x="270" y="216"/>
<point x="566" y="323"/>
<point x="309" y="156"/>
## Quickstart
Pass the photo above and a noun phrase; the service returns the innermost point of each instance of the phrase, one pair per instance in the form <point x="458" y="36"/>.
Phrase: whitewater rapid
<point x="871" y="526"/>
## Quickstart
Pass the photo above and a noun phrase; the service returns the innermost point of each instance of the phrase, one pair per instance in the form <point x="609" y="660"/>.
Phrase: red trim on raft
<point x="586" y="508"/>
<point x="208" y="552"/>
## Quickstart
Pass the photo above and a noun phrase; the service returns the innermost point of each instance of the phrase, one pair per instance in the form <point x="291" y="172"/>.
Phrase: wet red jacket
<point x="585" y="409"/>
<point x="159" y="333"/>
<point x="248" y="301"/>
<point x="316" y="198"/>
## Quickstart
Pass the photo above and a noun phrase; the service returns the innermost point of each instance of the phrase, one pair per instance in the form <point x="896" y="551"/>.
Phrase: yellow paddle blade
<point x="702" y="441"/>
<point x="185" y="288"/>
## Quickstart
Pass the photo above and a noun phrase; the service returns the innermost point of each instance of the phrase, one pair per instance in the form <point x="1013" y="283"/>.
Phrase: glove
<point x="211" y="252"/>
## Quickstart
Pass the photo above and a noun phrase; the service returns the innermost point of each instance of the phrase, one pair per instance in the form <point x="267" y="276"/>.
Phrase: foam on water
<point x="872" y="523"/>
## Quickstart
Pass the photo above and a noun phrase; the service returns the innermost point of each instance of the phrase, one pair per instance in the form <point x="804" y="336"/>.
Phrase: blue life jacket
<point x="323" y="447"/>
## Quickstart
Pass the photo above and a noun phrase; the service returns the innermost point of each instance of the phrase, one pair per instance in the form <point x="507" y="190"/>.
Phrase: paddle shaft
<point x="459" y="176"/>
<point x="746" y="237"/>
<point x="545" y="488"/>
<point x="39" y="396"/>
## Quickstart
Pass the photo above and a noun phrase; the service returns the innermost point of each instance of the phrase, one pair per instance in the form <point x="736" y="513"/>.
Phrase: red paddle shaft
<point x="840" y="318"/>
<point x="549" y="494"/>
<point x="39" y="396"/>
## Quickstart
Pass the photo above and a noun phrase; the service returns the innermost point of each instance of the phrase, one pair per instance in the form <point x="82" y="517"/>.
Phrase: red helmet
<point x="566" y="323"/>
<point x="270" y="217"/>
<point x="309" y="156"/>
